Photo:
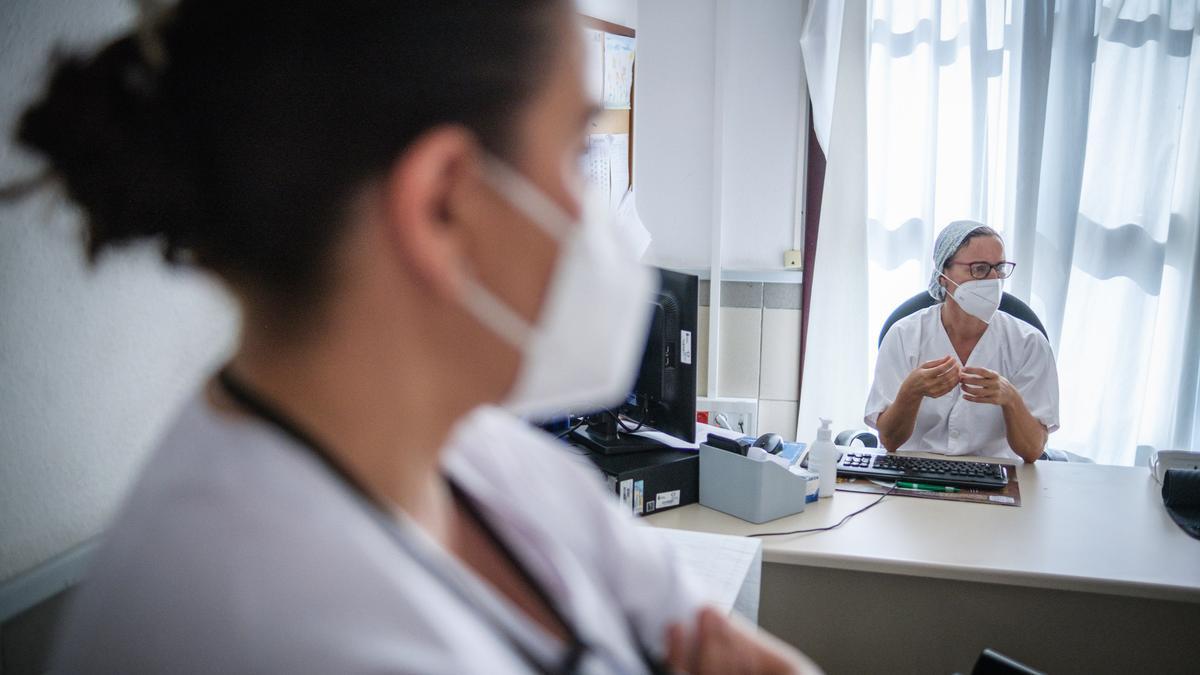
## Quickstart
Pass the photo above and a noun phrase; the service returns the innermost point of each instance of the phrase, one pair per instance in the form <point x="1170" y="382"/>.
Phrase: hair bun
<point x="108" y="138"/>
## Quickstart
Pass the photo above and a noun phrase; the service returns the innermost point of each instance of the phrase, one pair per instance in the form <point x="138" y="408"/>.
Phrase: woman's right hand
<point x="933" y="378"/>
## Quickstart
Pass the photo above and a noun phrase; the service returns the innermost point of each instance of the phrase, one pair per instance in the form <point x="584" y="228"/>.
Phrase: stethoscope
<point x="379" y="512"/>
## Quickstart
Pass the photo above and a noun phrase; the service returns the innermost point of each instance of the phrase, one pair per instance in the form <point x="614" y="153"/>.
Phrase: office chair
<point x="1009" y="304"/>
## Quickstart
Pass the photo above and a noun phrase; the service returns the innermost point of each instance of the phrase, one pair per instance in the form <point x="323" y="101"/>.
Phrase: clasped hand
<point x="933" y="379"/>
<point x="937" y="378"/>
<point x="980" y="385"/>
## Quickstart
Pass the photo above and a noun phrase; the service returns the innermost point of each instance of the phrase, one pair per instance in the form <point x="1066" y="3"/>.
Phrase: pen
<point x="923" y="486"/>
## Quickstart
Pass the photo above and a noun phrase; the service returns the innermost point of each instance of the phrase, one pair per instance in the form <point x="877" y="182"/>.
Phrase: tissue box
<point x="814" y="484"/>
<point x="750" y="490"/>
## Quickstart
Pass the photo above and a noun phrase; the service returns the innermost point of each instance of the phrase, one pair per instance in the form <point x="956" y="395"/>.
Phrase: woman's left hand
<point x="980" y="385"/>
<point x="717" y="645"/>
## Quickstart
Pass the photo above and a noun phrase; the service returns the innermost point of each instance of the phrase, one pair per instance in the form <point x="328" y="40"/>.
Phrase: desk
<point x="1088" y="575"/>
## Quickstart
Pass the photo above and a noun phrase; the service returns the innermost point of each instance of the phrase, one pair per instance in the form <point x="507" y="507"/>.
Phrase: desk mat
<point x="1009" y="496"/>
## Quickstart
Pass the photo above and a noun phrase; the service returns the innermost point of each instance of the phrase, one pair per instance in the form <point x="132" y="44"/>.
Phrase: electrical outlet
<point x="739" y="413"/>
<point x="793" y="259"/>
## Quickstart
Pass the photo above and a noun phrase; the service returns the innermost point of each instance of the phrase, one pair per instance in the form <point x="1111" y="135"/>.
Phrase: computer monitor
<point x="664" y="395"/>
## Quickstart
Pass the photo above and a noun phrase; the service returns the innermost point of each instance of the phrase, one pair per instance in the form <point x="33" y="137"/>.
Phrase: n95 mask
<point x="583" y="352"/>
<point x="979" y="297"/>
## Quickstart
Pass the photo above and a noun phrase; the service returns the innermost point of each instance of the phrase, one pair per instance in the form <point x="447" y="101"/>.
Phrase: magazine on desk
<point x="1010" y="495"/>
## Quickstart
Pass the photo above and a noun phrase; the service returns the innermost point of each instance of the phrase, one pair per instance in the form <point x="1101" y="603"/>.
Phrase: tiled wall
<point x="760" y="350"/>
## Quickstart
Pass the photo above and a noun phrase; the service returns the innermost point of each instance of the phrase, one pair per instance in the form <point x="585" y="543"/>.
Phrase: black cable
<point x="829" y="527"/>
<point x="572" y="428"/>
<point x="628" y="430"/>
<point x="640" y="423"/>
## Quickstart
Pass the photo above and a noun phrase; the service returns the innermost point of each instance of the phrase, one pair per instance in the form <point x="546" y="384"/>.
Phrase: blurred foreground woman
<point x="390" y="191"/>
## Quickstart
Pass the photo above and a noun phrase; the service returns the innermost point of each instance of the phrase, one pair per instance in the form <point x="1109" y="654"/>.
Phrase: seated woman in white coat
<point x="388" y="191"/>
<point x="960" y="377"/>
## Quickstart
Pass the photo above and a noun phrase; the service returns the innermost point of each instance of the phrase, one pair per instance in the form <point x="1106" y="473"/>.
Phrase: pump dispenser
<point x="822" y="458"/>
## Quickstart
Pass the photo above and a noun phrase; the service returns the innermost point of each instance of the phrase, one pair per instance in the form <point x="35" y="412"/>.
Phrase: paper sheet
<point x="606" y="166"/>
<point x="593" y="44"/>
<point x="618" y="167"/>
<point x="618" y="71"/>
<point x="606" y="170"/>
<point x="597" y="169"/>
<point x="728" y="568"/>
<point x="630" y="225"/>
<point x="702" y="432"/>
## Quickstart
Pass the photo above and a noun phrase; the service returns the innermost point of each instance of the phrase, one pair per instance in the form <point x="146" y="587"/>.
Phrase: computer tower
<point x="652" y="481"/>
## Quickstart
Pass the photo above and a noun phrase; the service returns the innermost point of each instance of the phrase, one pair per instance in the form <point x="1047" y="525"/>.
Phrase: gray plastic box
<point x="750" y="490"/>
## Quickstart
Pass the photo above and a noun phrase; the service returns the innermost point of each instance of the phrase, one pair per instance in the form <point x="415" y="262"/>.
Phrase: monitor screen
<point x="664" y="394"/>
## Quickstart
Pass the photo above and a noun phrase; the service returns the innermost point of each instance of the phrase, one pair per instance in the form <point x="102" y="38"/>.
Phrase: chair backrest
<point x="1009" y="304"/>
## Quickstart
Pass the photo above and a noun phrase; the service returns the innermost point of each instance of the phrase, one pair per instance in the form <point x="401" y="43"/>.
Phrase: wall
<point x="623" y="12"/>
<point x="681" y="92"/>
<point x="93" y="361"/>
<point x="759" y="353"/>
<point x="718" y="102"/>
<point x="762" y="94"/>
<point x="673" y="128"/>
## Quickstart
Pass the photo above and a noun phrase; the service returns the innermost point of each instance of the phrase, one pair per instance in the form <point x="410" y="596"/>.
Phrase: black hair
<point x="236" y="131"/>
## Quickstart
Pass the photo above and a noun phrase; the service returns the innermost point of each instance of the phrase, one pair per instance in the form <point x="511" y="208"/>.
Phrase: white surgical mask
<point x="583" y="352"/>
<point x="979" y="297"/>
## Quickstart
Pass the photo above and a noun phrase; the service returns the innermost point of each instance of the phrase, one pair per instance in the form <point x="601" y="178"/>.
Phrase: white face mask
<point x="583" y="353"/>
<point x="979" y="297"/>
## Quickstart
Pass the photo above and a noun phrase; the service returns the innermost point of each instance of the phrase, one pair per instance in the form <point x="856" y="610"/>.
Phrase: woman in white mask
<point x="387" y="190"/>
<point x="961" y="377"/>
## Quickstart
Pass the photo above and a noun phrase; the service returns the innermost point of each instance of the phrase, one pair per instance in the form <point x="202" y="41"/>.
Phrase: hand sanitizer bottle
<point x="822" y="458"/>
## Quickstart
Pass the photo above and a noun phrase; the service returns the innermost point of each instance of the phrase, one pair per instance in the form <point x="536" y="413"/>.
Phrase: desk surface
<point x="1081" y="527"/>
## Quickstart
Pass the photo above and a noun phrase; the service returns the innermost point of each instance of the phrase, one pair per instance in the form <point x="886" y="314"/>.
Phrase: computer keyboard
<point x="891" y="467"/>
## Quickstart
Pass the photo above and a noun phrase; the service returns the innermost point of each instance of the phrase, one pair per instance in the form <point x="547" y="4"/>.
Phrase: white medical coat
<point x="237" y="552"/>
<point x="949" y="424"/>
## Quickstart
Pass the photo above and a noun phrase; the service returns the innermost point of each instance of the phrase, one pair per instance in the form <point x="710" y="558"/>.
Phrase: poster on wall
<point x="606" y="166"/>
<point x="618" y="71"/>
<point x="618" y="172"/>
<point x="597" y="169"/>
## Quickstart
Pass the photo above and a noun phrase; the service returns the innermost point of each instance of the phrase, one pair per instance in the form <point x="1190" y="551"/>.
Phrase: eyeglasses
<point x="981" y="269"/>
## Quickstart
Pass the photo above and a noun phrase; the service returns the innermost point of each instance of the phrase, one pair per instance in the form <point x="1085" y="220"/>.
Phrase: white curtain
<point x="834" y="45"/>
<point x="1073" y="128"/>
